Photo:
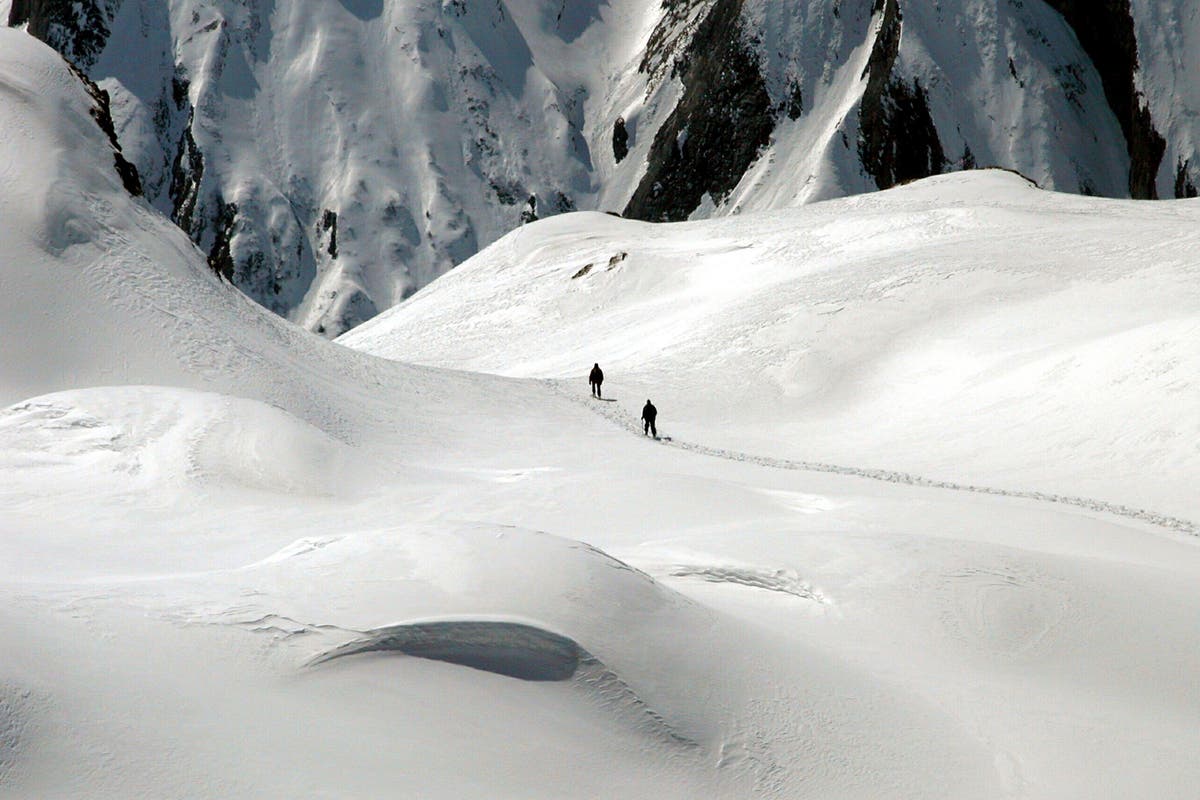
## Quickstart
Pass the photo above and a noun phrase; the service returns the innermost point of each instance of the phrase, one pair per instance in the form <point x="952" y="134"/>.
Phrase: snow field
<point x="199" y="504"/>
<point x="969" y="329"/>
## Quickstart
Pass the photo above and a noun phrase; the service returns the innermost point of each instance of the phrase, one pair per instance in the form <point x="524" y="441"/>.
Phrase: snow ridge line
<point x="616" y="416"/>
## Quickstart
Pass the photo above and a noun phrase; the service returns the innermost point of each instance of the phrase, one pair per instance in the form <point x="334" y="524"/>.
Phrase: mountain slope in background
<point x="332" y="157"/>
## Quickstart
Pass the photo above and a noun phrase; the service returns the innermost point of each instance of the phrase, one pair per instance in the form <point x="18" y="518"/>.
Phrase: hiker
<point x="649" y="414"/>
<point x="595" y="379"/>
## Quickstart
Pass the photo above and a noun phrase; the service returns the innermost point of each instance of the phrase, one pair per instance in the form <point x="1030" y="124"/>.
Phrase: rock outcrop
<point x="1106" y="31"/>
<point x="897" y="140"/>
<point x="720" y="125"/>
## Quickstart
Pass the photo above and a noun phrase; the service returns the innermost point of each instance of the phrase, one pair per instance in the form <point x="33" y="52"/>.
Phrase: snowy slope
<point x="332" y="158"/>
<point x="237" y="560"/>
<point x="966" y="327"/>
<point x="142" y="305"/>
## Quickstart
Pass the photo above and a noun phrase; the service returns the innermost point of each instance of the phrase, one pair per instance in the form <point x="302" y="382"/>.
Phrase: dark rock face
<point x="220" y="257"/>
<point x="563" y="204"/>
<point x="897" y="140"/>
<point x="1105" y="29"/>
<point x="187" y="171"/>
<point x="529" y="214"/>
<point x="78" y="29"/>
<point x="721" y="123"/>
<point x="102" y="113"/>
<point x="793" y="106"/>
<point x="670" y="37"/>
<point x="1184" y="187"/>
<point x="620" y="140"/>
<point x="968" y="159"/>
<point x="329" y="225"/>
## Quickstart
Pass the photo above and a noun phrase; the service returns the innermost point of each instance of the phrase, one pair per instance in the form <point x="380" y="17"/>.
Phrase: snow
<point x="968" y="328"/>
<point x="205" y="509"/>
<point x="426" y="126"/>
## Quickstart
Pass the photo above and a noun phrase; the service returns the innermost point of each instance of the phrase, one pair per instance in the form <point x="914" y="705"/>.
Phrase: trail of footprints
<point x="612" y="412"/>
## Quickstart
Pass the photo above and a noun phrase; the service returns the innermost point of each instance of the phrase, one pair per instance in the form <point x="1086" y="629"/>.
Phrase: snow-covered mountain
<point x="238" y="560"/>
<point x="332" y="157"/>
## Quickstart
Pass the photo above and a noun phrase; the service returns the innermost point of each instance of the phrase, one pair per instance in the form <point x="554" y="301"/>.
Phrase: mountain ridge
<point x="331" y="159"/>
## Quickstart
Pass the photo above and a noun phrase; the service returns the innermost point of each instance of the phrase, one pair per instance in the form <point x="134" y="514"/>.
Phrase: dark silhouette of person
<point x="595" y="379"/>
<point x="649" y="414"/>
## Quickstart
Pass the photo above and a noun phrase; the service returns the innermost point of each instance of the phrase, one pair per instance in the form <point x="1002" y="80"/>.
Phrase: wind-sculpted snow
<point x="515" y="650"/>
<point x="505" y="648"/>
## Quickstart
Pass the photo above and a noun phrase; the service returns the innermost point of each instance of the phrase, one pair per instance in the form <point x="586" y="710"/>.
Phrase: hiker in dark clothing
<point x="595" y="379"/>
<point x="649" y="414"/>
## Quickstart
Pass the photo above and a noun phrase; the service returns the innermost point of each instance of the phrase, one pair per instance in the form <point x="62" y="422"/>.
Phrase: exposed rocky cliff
<point x="102" y="113"/>
<point x="897" y="140"/>
<point x="1106" y="31"/>
<point x="720" y="124"/>
<point x="79" y="29"/>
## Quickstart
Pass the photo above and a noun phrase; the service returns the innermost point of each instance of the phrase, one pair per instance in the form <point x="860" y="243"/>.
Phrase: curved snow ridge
<point x="616" y="415"/>
<point x="512" y="649"/>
